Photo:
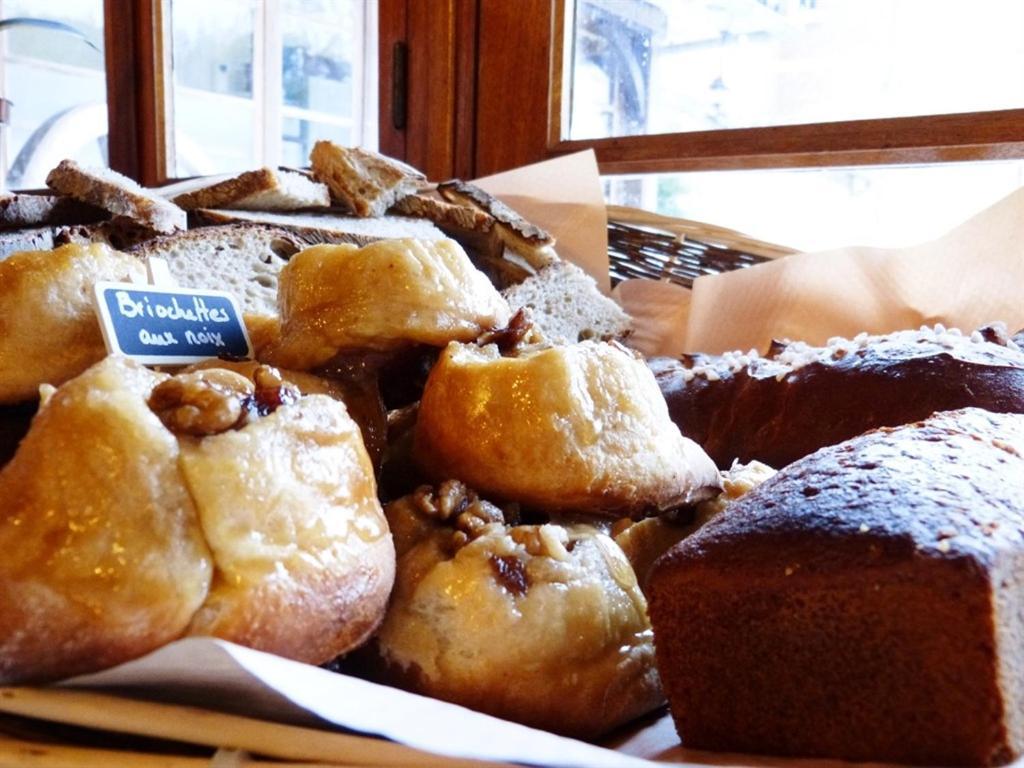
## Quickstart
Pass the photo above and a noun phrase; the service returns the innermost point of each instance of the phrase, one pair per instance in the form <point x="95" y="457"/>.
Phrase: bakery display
<point x="540" y="624"/>
<point x="580" y="427"/>
<point x="859" y="604"/>
<point x="48" y="329"/>
<point x="204" y="503"/>
<point x="797" y="398"/>
<point x="384" y="296"/>
<point x="862" y="604"/>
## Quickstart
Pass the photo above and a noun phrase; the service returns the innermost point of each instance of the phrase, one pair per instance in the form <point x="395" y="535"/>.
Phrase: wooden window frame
<point x="138" y="60"/>
<point x="485" y="84"/>
<point x="541" y="27"/>
<point x="137" y="35"/>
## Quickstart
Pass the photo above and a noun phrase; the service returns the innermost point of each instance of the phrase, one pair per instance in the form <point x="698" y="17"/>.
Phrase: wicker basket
<point x="649" y="245"/>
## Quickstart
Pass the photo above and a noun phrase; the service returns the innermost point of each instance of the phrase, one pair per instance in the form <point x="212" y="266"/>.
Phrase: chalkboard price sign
<point x="168" y="326"/>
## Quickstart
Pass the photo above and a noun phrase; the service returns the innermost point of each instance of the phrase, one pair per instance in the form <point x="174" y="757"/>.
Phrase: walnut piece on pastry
<point x="48" y="327"/>
<point x="141" y="507"/>
<point x="575" y="428"/>
<point x="540" y="624"/>
<point x="358" y="390"/>
<point x="383" y="296"/>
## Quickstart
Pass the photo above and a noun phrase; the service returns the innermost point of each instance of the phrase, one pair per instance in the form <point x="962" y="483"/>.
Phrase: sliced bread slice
<point x="34" y="239"/>
<point x="243" y="259"/>
<point x="567" y="305"/>
<point x="117" y="194"/>
<point x="534" y="244"/>
<point x="328" y="228"/>
<point x="261" y="190"/>
<point x="365" y="182"/>
<point x="18" y="210"/>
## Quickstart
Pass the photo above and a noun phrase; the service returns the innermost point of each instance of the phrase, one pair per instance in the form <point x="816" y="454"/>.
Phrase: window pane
<point x="213" y="53"/>
<point x="257" y="83"/>
<point x="817" y="209"/>
<point x="328" y="78"/>
<point x="55" y="83"/>
<point x="662" y="66"/>
<point x="299" y="136"/>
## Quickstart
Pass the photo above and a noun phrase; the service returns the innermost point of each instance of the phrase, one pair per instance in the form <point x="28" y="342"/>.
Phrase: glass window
<point x="257" y="83"/>
<point x="819" y="208"/>
<point x="667" y="66"/>
<point x="54" y="83"/>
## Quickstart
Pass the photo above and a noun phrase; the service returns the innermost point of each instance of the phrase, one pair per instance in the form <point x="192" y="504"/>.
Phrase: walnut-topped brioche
<point x="208" y="503"/>
<point x="541" y="624"/>
<point x="118" y="194"/>
<point x="384" y="296"/>
<point x="366" y="182"/>
<point x="797" y="398"/>
<point x="48" y="327"/>
<point x="863" y="604"/>
<point x="580" y="427"/>
<point x="104" y="558"/>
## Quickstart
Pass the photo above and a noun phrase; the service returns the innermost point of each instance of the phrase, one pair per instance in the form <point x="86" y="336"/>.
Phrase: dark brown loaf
<point x="797" y="398"/>
<point x="864" y="604"/>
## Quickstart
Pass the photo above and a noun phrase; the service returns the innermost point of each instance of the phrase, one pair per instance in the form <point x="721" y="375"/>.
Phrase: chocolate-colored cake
<point x="866" y="603"/>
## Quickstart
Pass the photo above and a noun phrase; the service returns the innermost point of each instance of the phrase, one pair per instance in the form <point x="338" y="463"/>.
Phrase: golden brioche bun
<point x="144" y="506"/>
<point x="386" y="295"/>
<point x="581" y="427"/>
<point x="289" y="509"/>
<point x="48" y="327"/>
<point x="104" y="559"/>
<point x="544" y="625"/>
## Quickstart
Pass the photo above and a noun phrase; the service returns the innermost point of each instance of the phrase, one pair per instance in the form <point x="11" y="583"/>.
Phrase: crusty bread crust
<point x="117" y="194"/>
<point x="21" y="210"/>
<point x="863" y="604"/>
<point x="262" y="189"/>
<point x="448" y="216"/>
<point x="797" y="399"/>
<point x="531" y="242"/>
<point x="366" y="182"/>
